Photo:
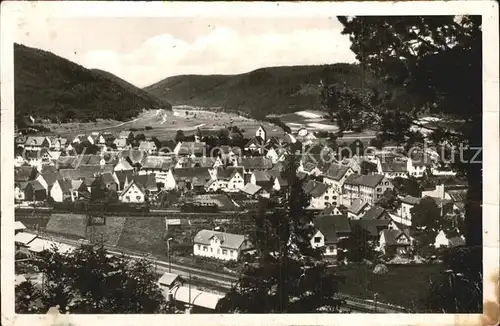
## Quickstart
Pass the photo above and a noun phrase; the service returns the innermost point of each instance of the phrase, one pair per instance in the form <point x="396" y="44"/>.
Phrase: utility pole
<point x="169" y="255"/>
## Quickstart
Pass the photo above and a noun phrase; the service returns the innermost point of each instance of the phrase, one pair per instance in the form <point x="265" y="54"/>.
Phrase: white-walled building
<point x="220" y="245"/>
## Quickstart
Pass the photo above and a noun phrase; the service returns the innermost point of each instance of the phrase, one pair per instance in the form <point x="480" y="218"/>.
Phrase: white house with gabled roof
<point x="220" y="245"/>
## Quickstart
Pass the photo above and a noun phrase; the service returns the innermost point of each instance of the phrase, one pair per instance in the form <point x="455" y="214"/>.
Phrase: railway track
<point x="223" y="282"/>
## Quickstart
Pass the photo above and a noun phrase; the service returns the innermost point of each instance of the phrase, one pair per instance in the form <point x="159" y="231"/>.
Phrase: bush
<point x="380" y="269"/>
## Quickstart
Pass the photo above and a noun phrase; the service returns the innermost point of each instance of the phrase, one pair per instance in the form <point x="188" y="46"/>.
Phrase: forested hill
<point x="262" y="91"/>
<point x="48" y="86"/>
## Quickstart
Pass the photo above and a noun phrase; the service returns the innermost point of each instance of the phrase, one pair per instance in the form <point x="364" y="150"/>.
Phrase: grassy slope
<point x="402" y="285"/>
<point x="50" y="86"/>
<point x="70" y="225"/>
<point x="260" y="92"/>
<point x="144" y="234"/>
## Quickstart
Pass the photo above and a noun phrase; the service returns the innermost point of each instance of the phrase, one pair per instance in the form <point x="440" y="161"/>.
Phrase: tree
<point x="28" y="299"/>
<point x="367" y="167"/>
<point x="377" y="142"/>
<point x="88" y="280"/>
<point x="429" y="64"/>
<point x="357" y="147"/>
<point x="388" y="200"/>
<point x="426" y="215"/>
<point x="290" y="275"/>
<point x="358" y="245"/>
<point x="139" y="138"/>
<point x="179" y="136"/>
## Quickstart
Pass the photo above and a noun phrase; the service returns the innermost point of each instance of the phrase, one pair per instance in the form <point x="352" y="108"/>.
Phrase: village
<point x="378" y="192"/>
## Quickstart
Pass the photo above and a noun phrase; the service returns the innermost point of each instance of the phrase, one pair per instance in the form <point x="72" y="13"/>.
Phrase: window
<point x="331" y="248"/>
<point x="379" y="189"/>
<point x="334" y="197"/>
<point x="199" y="247"/>
<point x="127" y="198"/>
<point x="378" y="195"/>
<point x="232" y="253"/>
<point x="224" y="252"/>
<point x="205" y="248"/>
<point x="317" y="239"/>
<point x="386" y="183"/>
<point x="211" y="249"/>
<point x="326" y="197"/>
<point x="138" y="197"/>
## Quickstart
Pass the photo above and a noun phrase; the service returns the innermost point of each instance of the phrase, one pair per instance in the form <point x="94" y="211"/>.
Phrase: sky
<point x="144" y="50"/>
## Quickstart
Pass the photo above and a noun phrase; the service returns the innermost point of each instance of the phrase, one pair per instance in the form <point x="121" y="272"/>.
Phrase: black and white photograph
<point x="191" y="161"/>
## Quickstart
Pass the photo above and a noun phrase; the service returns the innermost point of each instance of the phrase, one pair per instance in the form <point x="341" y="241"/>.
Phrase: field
<point x="144" y="234"/>
<point x="402" y="285"/>
<point x="165" y="124"/>
<point x="70" y="225"/>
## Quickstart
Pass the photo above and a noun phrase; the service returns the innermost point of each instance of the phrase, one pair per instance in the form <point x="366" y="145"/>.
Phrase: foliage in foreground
<point x="290" y="276"/>
<point x="89" y="280"/>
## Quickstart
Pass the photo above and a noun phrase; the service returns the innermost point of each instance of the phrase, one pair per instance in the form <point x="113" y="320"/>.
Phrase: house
<point x="372" y="226"/>
<point x="358" y="209"/>
<point x="128" y="135"/>
<point x="255" y="145"/>
<point x="322" y="195"/>
<point x="273" y="155"/>
<point x="123" y="177"/>
<point x="123" y="165"/>
<point x="306" y="139"/>
<point x="61" y="190"/>
<point x="391" y="168"/>
<point x="261" y="133"/>
<point x="325" y="236"/>
<point x="331" y="210"/>
<point x="340" y="222"/>
<point x="80" y="138"/>
<point x="47" y="180"/>
<point x="444" y="240"/>
<point x="157" y="165"/>
<point x="261" y="178"/>
<point x="336" y="174"/>
<point x="376" y="213"/>
<point x="25" y="173"/>
<point x="33" y="158"/>
<point x="107" y="181"/>
<point x="353" y="162"/>
<point x="368" y="188"/>
<point x="279" y="183"/>
<point x="230" y="178"/>
<point x="395" y="241"/>
<point x="134" y="156"/>
<point x="188" y="178"/>
<point x="254" y="163"/>
<point x="404" y="210"/>
<point x="19" y="194"/>
<point x="310" y="168"/>
<point x="18" y="227"/>
<point x="23" y="239"/>
<point x="121" y="144"/>
<point x="417" y="165"/>
<point x="58" y="143"/>
<point x="169" y="282"/>
<point x="220" y="245"/>
<point x="134" y="192"/>
<point x="148" y="147"/>
<point x="193" y="149"/>
<point x="35" y="191"/>
<point x="253" y="190"/>
<point x="36" y="143"/>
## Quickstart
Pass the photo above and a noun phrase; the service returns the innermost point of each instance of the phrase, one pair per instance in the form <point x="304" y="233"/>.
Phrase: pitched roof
<point x="391" y="236"/>
<point x="261" y="176"/>
<point x="393" y="166"/>
<point x="36" y="185"/>
<point x="357" y="206"/>
<point x="18" y="225"/>
<point x="458" y="195"/>
<point x="65" y="185"/>
<point x="364" y="180"/>
<point x="24" y="237"/>
<point x="134" y="155"/>
<point x="410" y="200"/>
<point x="336" y="171"/>
<point x="123" y="175"/>
<point x="228" y="240"/>
<point x="157" y="162"/>
<point x="370" y="225"/>
<point x="189" y="148"/>
<point x="327" y="227"/>
<point x="251" y="189"/>
<point x="147" y="145"/>
<point x="124" y="134"/>
<point x="125" y="165"/>
<point x="168" y="279"/>
<point x="35" y="140"/>
<point x="50" y="178"/>
<point x="259" y="162"/>
<point x="255" y="140"/>
<point x="374" y="213"/>
<point x="340" y="222"/>
<point x="23" y="173"/>
<point x="189" y="173"/>
<point x="228" y="172"/>
<point x="314" y="188"/>
<point x="120" y="142"/>
<point x="147" y="181"/>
